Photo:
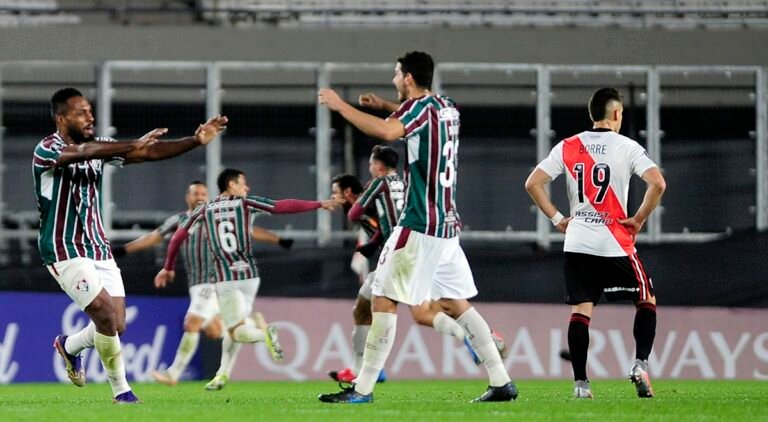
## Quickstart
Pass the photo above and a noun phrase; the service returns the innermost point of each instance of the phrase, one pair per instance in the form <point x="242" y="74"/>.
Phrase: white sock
<point x="108" y="348"/>
<point x="447" y="325"/>
<point x="81" y="340"/>
<point x="377" y="347"/>
<point x="229" y="351"/>
<point x="359" y="336"/>
<point x="185" y="351"/>
<point x="479" y="335"/>
<point x="248" y="333"/>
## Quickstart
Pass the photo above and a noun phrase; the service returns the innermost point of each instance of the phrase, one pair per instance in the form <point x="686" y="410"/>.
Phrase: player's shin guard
<point x="359" y="336"/>
<point x="185" y="351"/>
<point x="109" y="349"/>
<point x="377" y="348"/>
<point x="247" y="332"/>
<point x="644" y="330"/>
<point x="447" y="325"/>
<point x="578" y="343"/>
<point x="479" y="334"/>
<point x="229" y="351"/>
<point x="81" y="340"/>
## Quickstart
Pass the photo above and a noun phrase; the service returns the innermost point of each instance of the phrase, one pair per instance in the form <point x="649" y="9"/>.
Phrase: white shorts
<point x="366" y="289"/>
<point x="203" y="302"/>
<point x="83" y="278"/>
<point x="414" y="268"/>
<point x="236" y="299"/>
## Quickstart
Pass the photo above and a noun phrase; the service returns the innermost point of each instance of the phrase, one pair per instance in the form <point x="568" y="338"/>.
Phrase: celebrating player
<point x="226" y="220"/>
<point x="68" y="169"/>
<point x="422" y="258"/>
<point x="203" y="312"/>
<point x="600" y="254"/>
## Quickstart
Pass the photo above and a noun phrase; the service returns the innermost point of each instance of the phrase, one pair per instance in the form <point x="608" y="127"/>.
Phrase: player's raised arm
<point x="385" y="129"/>
<point x="153" y="149"/>
<point x="375" y="102"/>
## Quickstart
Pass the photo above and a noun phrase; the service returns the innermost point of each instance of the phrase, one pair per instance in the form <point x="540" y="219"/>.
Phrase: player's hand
<point x="331" y="204"/>
<point x="153" y="134"/>
<point x="210" y="129"/>
<point x="633" y="225"/>
<point x="563" y="224"/>
<point x="163" y="278"/>
<point x="367" y="249"/>
<point x="371" y="100"/>
<point x="330" y="99"/>
<point x="285" y="243"/>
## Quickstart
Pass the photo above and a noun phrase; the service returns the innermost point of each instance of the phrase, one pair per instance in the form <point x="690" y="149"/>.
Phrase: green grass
<point x="406" y="401"/>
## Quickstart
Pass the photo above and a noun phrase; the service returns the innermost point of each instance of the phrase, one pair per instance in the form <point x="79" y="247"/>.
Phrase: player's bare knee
<point x="192" y="324"/>
<point x="213" y="331"/>
<point x="361" y="312"/>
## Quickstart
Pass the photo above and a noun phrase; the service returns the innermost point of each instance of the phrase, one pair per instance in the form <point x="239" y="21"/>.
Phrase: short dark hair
<point x="420" y="65"/>
<point x="196" y="182"/>
<point x="227" y="175"/>
<point x="598" y="102"/>
<point x="59" y="100"/>
<point x="386" y="154"/>
<point x="348" y="181"/>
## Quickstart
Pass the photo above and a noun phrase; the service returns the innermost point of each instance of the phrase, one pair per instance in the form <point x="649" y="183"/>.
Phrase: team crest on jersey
<point x="82" y="286"/>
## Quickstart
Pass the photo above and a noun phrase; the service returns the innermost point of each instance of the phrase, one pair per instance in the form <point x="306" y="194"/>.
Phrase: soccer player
<point x="600" y="254"/>
<point x="68" y="168"/>
<point x="226" y="221"/>
<point x="422" y="258"/>
<point x="203" y="312"/>
<point x="383" y="197"/>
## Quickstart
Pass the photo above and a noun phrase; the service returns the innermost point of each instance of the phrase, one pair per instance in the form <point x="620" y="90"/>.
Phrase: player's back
<point x="386" y="194"/>
<point x="432" y="136"/>
<point x="227" y="223"/>
<point x="600" y="164"/>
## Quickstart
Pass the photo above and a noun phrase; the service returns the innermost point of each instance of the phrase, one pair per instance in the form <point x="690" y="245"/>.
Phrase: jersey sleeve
<point x="372" y="190"/>
<point x="47" y="154"/>
<point x="169" y="226"/>
<point x="410" y="113"/>
<point x="259" y="203"/>
<point x="114" y="161"/>
<point x="553" y="165"/>
<point x="196" y="215"/>
<point x="639" y="160"/>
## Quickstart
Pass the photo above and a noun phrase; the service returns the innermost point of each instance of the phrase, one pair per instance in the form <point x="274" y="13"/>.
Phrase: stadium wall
<point x="518" y="45"/>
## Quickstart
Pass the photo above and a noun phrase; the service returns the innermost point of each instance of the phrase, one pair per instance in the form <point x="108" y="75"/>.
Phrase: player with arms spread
<point x="203" y="312"/>
<point x="226" y="220"/>
<point x="422" y="259"/>
<point x="600" y="254"/>
<point x="68" y="171"/>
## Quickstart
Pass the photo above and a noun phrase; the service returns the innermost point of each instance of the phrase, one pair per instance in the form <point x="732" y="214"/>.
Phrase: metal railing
<point x="324" y="73"/>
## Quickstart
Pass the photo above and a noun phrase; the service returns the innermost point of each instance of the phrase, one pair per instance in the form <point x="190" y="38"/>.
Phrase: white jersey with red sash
<point x="599" y="164"/>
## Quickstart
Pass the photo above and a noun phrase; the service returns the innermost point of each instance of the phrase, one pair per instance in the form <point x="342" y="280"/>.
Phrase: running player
<point x="226" y="221"/>
<point x="422" y="258"/>
<point x="384" y="196"/>
<point x="203" y="312"/>
<point x="68" y="168"/>
<point x="600" y="254"/>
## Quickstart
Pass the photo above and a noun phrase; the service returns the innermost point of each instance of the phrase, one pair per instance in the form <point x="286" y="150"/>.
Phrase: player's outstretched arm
<point x="375" y="102"/>
<point x="141" y="243"/>
<point x="388" y="130"/>
<point x="263" y="235"/>
<point x="535" y="187"/>
<point x="656" y="185"/>
<point x="153" y="150"/>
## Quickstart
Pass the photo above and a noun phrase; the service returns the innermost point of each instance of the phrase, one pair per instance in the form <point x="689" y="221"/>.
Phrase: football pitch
<point x="398" y="400"/>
